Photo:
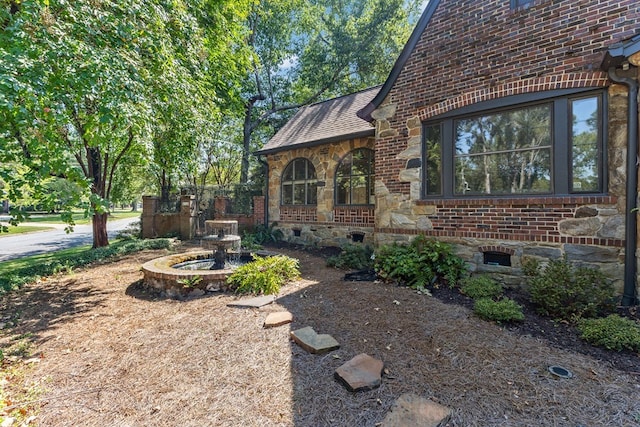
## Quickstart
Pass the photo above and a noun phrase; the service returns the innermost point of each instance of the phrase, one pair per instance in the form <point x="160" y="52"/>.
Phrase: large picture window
<point x="299" y="186"/>
<point x="355" y="178"/>
<point x="553" y="146"/>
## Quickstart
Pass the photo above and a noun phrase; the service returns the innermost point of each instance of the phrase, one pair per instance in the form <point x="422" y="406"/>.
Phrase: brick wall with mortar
<point x="324" y="223"/>
<point x="475" y="51"/>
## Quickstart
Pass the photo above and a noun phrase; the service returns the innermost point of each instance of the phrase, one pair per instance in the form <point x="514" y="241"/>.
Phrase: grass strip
<point x="21" y="229"/>
<point x="16" y="273"/>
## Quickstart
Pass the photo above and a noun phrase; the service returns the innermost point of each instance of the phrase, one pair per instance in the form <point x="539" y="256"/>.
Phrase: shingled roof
<point x="324" y="122"/>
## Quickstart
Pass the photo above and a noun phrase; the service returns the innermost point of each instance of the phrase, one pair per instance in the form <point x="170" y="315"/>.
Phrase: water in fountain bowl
<point x="233" y="261"/>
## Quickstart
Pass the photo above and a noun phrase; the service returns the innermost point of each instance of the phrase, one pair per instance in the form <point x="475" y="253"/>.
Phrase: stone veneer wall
<point x="323" y="224"/>
<point x="476" y="51"/>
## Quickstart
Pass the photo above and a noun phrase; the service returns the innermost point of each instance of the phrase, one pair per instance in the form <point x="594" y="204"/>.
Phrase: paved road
<point x="20" y="245"/>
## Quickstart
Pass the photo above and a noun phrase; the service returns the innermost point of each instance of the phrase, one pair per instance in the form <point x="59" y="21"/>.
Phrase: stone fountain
<point x="196" y="273"/>
<point x="220" y="244"/>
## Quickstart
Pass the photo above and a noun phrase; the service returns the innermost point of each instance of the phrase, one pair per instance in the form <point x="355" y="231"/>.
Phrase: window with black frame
<point x="355" y="178"/>
<point x="549" y="147"/>
<point x="299" y="185"/>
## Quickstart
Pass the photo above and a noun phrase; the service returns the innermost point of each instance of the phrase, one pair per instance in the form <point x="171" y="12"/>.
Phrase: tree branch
<point x="117" y="160"/>
<point x="254" y="124"/>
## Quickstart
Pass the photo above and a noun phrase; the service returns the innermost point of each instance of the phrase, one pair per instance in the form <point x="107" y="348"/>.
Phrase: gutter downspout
<point x="266" y="192"/>
<point x="629" y="296"/>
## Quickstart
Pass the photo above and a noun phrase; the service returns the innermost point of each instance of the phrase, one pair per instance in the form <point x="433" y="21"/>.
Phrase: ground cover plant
<point x="111" y="354"/>
<point x="502" y="310"/>
<point x="489" y="304"/>
<point x="481" y="286"/>
<point x="612" y="332"/>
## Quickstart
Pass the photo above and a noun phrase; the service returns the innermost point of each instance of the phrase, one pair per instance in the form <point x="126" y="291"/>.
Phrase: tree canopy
<point x="85" y="84"/>
<point x="100" y="94"/>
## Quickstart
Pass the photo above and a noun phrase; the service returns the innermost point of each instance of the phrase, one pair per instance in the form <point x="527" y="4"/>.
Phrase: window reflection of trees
<point x="584" y="150"/>
<point x="299" y="186"/>
<point x="504" y="153"/>
<point x="355" y="178"/>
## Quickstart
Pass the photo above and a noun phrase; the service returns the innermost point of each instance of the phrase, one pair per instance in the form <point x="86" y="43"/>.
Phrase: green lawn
<point x="20" y="229"/>
<point x="79" y="218"/>
<point x="7" y="267"/>
<point x="31" y="224"/>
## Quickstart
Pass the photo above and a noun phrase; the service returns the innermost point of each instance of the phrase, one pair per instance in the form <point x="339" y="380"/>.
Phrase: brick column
<point x="150" y="205"/>
<point x="258" y="209"/>
<point x="188" y="217"/>
<point x="220" y="204"/>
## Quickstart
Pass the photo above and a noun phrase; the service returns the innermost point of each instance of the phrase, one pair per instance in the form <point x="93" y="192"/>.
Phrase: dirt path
<point x="113" y="355"/>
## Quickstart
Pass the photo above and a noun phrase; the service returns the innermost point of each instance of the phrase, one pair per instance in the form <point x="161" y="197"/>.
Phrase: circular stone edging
<point x="162" y="278"/>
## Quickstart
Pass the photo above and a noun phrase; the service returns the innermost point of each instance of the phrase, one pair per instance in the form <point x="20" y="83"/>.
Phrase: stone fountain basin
<point x="162" y="278"/>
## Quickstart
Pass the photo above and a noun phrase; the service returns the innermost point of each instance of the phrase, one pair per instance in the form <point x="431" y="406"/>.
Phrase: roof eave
<point x="618" y="53"/>
<point x="338" y="138"/>
<point x="365" y="113"/>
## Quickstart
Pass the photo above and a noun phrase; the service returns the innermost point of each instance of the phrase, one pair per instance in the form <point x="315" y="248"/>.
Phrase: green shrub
<point x="262" y="234"/>
<point x="355" y="257"/>
<point x="566" y="292"/>
<point x="612" y="332"/>
<point x="504" y="310"/>
<point x="419" y="263"/>
<point x="478" y="287"/>
<point x="530" y="266"/>
<point x="264" y="276"/>
<point x="249" y="242"/>
<point x="132" y="231"/>
<point x="402" y="264"/>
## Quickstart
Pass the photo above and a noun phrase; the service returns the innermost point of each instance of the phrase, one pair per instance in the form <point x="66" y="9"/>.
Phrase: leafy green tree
<point x="84" y="84"/>
<point x="306" y="51"/>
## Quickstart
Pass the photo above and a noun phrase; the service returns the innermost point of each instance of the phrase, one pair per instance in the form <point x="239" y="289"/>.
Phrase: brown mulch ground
<point x="111" y="354"/>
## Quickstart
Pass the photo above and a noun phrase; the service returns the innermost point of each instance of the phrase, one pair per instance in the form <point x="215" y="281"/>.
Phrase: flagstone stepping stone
<point x="280" y="318"/>
<point x="314" y="343"/>
<point x="413" y="410"/>
<point x="361" y="373"/>
<point x="255" y="302"/>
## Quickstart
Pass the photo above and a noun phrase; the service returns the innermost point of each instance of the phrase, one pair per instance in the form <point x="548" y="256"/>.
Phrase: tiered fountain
<point x="195" y="273"/>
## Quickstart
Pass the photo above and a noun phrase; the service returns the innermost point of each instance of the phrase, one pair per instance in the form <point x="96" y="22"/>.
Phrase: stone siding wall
<point x="323" y="224"/>
<point x="477" y="51"/>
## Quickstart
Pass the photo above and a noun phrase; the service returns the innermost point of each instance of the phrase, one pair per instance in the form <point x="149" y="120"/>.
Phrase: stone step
<point x="280" y="318"/>
<point x="413" y="410"/>
<point x="361" y="373"/>
<point x="314" y="343"/>
<point x="255" y="302"/>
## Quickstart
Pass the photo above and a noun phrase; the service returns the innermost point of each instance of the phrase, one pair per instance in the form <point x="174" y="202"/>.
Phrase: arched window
<point x="299" y="183"/>
<point x="355" y="178"/>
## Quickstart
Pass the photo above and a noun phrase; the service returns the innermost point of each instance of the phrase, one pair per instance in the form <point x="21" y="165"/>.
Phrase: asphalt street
<point x="20" y="245"/>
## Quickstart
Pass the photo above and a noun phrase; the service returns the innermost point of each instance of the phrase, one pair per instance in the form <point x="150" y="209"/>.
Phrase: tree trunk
<point x="246" y="146"/>
<point x="100" y="238"/>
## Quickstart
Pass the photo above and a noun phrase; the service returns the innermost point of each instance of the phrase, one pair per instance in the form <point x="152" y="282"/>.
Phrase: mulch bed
<point x="112" y="354"/>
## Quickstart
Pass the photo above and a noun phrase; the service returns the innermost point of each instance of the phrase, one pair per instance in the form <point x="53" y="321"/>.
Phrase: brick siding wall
<point x="478" y="50"/>
<point x="531" y="220"/>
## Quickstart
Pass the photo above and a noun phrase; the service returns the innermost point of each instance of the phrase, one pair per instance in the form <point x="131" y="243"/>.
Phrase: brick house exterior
<point x="563" y="76"/>
<point x="324" y="135"/>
